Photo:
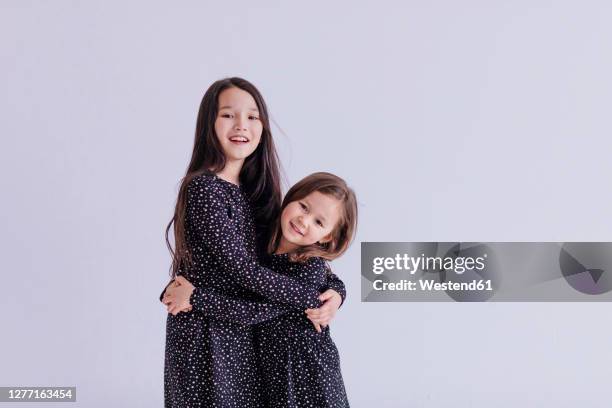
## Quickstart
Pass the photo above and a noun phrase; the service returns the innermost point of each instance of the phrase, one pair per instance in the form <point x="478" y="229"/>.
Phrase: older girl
<point x="227" y="200"/>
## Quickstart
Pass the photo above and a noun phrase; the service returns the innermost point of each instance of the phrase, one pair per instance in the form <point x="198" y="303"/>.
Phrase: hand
<point x="322" y="316"/>
<point x="177" y="296"/>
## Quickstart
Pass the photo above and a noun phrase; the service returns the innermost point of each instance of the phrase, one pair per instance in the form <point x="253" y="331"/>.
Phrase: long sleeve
<point x="216" y="305"/>
<point x="335" y="283"/>
<point x="246" y="312"/>
<point x="210" y="219"/>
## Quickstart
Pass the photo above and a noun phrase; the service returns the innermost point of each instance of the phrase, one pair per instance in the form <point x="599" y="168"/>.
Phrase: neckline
<point x="236" y="186"/>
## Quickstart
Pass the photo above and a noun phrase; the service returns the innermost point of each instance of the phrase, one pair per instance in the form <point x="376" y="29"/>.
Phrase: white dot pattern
<point x="301" y="367"/>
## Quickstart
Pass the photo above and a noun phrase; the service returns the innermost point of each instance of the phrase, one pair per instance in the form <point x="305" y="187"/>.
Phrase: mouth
<point x="239" y="139"/>
<point x="296" y="229"/>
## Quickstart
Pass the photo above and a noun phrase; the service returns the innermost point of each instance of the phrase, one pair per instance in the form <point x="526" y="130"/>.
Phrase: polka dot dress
<point x="211" y="362"/>
<point x="300" y="367"/>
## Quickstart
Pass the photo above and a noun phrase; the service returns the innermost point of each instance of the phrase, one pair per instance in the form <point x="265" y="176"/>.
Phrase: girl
<point x="300" y="366"/>
<point x="226" y="201"/>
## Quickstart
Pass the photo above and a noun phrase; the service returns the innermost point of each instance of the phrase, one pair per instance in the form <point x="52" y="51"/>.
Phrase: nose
<point x="301" y="222"/>
<point x="240" y="123"/>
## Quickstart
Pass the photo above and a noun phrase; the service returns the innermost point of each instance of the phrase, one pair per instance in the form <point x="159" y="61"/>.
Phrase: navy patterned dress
<point x="301" y="367"/>
<point x="212" y="362"/>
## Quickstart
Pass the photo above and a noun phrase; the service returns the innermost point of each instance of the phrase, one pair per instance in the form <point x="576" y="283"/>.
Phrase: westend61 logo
<point x="428" y="263"/>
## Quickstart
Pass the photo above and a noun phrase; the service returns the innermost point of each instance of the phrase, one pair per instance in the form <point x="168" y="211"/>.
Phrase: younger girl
<point x="299" y="365"/>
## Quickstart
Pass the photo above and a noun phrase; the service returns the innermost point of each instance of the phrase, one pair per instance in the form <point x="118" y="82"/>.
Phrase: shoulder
<point x="206" y="185"/>
<point x="316" y="264"/>
<point x="205" y="189"/>
<point x="203" y="181"/>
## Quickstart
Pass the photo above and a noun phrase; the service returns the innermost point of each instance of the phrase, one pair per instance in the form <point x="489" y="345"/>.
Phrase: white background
<point x="453" y="121"/>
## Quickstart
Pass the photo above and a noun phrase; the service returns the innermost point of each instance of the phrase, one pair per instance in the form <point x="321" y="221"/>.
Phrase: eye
<point x="303" y="206"/>
<point x="226" y="115"/>
<point x="319" y="223"/>
<point x="253" y="117"/>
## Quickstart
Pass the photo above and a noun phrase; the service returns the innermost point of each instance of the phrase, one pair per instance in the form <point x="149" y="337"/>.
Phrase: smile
<point x="239" y="139"/>
<point x="296" y="229"/>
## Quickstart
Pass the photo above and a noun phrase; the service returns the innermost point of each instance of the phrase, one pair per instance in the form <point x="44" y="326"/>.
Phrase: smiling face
<point x="237" y="126"/>
<point x="308" y="221"/>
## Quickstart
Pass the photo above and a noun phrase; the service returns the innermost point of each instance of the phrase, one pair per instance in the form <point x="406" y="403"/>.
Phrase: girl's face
<point x="309" y="220"/>
<point x="237" y="126"/>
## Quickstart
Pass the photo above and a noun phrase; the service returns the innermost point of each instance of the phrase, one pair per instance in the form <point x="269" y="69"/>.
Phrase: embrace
<point x="252" y="293"/>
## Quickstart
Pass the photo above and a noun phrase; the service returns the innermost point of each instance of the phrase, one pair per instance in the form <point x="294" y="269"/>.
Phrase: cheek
<point x="219" y="128"/>
<point x="287" y="214"/>
<point x="257" y="131"/>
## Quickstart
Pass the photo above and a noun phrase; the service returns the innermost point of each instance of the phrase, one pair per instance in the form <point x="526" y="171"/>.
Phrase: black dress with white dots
<point x="301" y="367"/>
<point x="212" y="362"/>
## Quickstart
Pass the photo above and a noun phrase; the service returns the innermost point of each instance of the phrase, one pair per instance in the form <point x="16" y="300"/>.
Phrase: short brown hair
<point x="343" y="232"/>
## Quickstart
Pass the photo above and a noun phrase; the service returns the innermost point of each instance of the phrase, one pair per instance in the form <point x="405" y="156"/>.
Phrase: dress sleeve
<point x="246" y="312"/>
<point x="335" y="283"/>
<point x="208" y="214"/>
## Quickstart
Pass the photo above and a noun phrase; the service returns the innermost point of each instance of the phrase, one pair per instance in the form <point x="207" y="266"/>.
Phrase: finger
<point x="319" y="321"/>
<point x="180" y="280"/>
<point x="328" y="294"/>
<point x="319" y="313"/>
<point x="313" y="313"/>
<point x="317" y="327"/>
<point x="329" y="304"/>
<point x="175" y="310"/>
<point x="325" y="309"/>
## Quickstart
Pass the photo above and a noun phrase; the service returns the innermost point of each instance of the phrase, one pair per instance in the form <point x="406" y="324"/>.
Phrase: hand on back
<point x="322" y="316"/>
<point x="177" y="296"/>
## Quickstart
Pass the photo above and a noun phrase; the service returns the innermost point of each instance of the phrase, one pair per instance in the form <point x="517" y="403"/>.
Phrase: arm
<point x="216" y="305"/>
<point x="219" y="306"/>
<point x="207" y="213"/>
<point x="179" y="296"/>
<point x="334" y="283"/>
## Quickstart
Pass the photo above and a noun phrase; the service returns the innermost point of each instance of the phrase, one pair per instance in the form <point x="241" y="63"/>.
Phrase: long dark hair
<point x="259" y="176"/>
<point x="344" y="231"/>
